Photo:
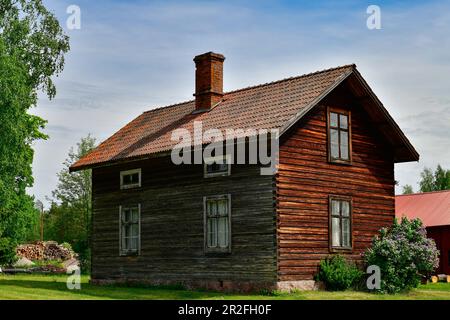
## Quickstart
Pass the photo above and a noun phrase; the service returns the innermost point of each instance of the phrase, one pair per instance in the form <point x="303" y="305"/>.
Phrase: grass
<point x="45" y="263"/>
<point x="48" y="287"/>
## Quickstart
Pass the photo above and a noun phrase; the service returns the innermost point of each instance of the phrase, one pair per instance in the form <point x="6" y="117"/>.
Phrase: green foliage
<point x="434" y="181"/>
<point x="404" y="254"/>
<point x="45" y="263"/>
<point x="69" y="218"/>
<point x="271" y="293"/>
<point x="67" y="245"/>
<point x="338" y="274"/>
<point x="407" y="189"/>
<point x="33" y="34"/>
<point x="7" y="251"/>
<point x="32" y="47"/>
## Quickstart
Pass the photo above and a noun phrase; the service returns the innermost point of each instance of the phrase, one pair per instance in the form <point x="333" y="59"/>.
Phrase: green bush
<point x="404" y="254"/>
<point x="7" y="251"/>
<point x="45" y="263"/>
<point x="67" y="246"/>
<point x="85" y="261"/>
<point x="338" y="274"/>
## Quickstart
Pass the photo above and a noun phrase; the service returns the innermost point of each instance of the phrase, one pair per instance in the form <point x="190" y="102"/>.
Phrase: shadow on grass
<point x="58" y="288"/>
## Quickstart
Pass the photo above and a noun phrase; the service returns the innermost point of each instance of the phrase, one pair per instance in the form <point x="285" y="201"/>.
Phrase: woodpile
<point x="44" y="250"/>
<point x="31" y="251"/>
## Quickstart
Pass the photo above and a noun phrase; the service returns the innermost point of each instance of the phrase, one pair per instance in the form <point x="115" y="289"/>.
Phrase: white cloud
<point x="132" y="56"/>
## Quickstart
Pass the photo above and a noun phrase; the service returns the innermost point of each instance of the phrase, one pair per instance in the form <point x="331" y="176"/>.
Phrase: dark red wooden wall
<point x="306" y="179"/>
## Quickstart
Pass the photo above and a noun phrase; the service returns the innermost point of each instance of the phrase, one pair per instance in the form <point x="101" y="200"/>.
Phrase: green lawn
<point x="54" y="287"/>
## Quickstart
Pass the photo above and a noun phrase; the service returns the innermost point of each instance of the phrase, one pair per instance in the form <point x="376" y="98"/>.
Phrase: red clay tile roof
<point x="274" y="105"/>
<point x="264" y="106"/>
<point x="433" y="208"/>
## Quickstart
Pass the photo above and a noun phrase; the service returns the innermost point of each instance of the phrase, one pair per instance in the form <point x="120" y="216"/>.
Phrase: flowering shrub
<point x="404" y="254"/>
<point x="338" y="273"/>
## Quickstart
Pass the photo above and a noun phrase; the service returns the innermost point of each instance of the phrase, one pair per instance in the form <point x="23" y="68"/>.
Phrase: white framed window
<point x="130" y="179"/>
<point x="217" y="223"/>
<point x="130" y="229"/>
<point x="217" y="166"/>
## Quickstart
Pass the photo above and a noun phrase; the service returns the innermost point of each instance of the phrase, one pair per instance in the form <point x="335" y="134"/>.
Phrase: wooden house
<point x="222" y="225"/>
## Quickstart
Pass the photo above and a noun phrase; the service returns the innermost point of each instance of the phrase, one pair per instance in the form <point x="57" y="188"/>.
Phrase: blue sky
<point x="132" y="56"/>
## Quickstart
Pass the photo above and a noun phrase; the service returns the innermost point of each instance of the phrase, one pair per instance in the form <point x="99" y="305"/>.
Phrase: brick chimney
<point x="208" y="80"/>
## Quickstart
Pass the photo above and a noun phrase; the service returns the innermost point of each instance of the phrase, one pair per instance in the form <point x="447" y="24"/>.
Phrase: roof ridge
<point x="170" y="106"/>
<point x="293" y="77"/>
<point x="423" y="193"/>
<point x="353" y="65"/>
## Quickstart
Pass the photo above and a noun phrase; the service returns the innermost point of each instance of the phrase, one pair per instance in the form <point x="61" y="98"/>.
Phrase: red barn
<point x="433" y="208"/>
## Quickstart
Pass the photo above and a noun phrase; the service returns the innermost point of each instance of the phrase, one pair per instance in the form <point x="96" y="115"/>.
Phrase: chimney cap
<point x="209" y="55"/>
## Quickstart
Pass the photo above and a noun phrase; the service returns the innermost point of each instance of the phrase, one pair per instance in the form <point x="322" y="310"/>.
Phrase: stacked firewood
<point x="48" y="250"/>
<point x="54" y="251"/>
<point x="31" y="251"/>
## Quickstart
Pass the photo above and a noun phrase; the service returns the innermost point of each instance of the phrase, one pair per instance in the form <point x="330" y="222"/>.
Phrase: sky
<point x="132" y="56"/>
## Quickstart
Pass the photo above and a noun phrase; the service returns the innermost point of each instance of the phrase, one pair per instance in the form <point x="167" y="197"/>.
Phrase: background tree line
<point x="69" y="216"/>
<point x="431" y="181"/>
<point x="32" y="48"/>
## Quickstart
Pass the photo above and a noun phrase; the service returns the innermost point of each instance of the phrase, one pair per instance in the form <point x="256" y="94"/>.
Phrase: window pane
<point x="127" y="230"/>
<point x="222" y="207"/>
<point x="223" y="232"/>
<point x="346" y="232"/>
<point x="124" y="243"/>
<point x="130" y="179"/>
<point x="134" y="177"/>
<point x="219" y="165"/>
<point x="333" y="119"/>
<point x="335" y="207"/>
<point x="344" y="145"/>
<point x="126" y="215"/>
<point x="335" y="232"/>
<point x="212" y="232"/>
<point x="211" y="208"/>
<point x="128" y="243"/>
<point x="345" y="210"/>
<point x="130" y="229"/>
<point x="217" y="224"/>
<point x="214" y="208"/>
<point x="134" y="215"/>
<point x="134" y="243"/>
<point x="334" y="143"/>
<point x="134" y="230"/>
<point x="343" y="121"/>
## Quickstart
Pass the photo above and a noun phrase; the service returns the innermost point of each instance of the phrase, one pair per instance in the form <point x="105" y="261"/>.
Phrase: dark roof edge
<point x="317" y="100"/>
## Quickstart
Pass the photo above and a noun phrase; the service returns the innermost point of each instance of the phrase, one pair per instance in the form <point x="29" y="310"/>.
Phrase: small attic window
<point x="130" y="179"/>
<point x="217" y="166"/>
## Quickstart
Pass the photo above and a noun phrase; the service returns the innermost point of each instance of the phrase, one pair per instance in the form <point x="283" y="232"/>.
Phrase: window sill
<point x="341" y="249"/>
<point x="225" y="251"/>
<point x="342" y="162"/>
<point x="129" y="254"/>
<point x="216" y="174"/>
<point x="131" y="186"/>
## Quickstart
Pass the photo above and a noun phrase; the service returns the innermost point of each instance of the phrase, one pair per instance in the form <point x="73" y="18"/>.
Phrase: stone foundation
<point x="299" y="285"/>
<point x="223" y="286"/>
